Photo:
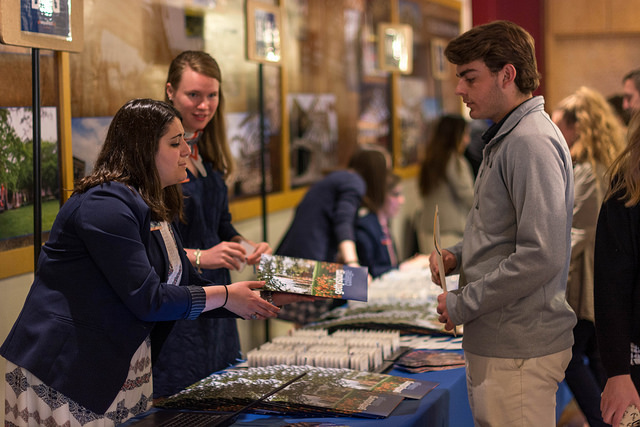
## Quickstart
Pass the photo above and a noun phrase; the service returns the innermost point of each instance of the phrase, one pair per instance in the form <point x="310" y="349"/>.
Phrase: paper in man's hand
<point x="436" y="243"/>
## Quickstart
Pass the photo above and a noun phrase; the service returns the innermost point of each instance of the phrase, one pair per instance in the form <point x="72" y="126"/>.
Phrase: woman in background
<point x="374" y="241"/>
<point x="78" y="354"/>
<point x="595" y="138"/>
<point x="374" y="244"/>
<point x="323" y="227"/>
<point x="446" y="180"/>
<point x="186" y="352"/>
<point x="617" y="289"/>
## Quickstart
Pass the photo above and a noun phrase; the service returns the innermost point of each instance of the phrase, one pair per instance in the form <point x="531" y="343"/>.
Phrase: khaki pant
<point x="515" y="392"/>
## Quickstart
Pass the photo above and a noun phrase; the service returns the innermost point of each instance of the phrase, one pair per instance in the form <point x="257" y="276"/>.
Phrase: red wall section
<point x="529" y="14"/>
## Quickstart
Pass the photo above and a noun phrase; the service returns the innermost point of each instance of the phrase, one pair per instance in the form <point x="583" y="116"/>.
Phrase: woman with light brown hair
<point x="595" y="138"/>
<point x="194" y="87"/>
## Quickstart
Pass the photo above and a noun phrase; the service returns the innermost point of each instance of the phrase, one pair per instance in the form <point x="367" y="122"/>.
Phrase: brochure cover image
<point x="316" y="278"/>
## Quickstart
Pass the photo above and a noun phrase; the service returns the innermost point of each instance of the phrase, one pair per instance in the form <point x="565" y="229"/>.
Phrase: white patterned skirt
<point x="29" y="402"/>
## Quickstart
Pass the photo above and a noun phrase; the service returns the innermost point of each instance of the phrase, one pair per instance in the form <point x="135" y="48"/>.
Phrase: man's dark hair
<point x="497" y="44"/>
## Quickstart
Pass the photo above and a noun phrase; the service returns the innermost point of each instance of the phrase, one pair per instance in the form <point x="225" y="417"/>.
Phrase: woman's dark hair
<point x="393" y="179"/>
<point x="128" y="156"/>
<point x="214" y="147"/>
<point x="372" y="162"/>
<point x="445" y="142"/>
<point x="497" y="44"/>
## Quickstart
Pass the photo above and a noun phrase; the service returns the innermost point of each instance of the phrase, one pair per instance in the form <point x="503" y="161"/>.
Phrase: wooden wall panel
<point x="624" y="16"/>
<point x="15" y="77"/>
<point x="598" y="63"/>
<point x="583" y="53"/>
<point x="576" y="16"/>
<point x="319" y="61"/>
<point x="126" y="56"/>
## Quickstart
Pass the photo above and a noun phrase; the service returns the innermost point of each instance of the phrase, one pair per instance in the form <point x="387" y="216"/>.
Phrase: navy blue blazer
<point x="99" y="287"/>
<point x="370" y="246"/>
<point x="325" y="217"/>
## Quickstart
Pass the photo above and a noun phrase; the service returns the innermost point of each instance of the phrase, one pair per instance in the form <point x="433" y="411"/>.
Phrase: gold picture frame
<point x="395" y="48"/>
<point x="44" y="24"/>
<point x="263" y="33"/>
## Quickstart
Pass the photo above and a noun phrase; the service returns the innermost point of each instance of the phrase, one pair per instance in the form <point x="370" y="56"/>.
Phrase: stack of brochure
<point x="404" y="301"/>
<point x="321" y="392"/>
<point x="355" y="349"/>
<point x="422" y="360"/>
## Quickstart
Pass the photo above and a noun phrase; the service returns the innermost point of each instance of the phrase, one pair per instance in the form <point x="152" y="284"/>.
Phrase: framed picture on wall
<point x="313" y="132"/>
<point x="440" y="67"/>
<point x="16" y="174"/>
<point x="263" y="32"/>
<point x="45" y="24"/>
<point x="395" y="48"/>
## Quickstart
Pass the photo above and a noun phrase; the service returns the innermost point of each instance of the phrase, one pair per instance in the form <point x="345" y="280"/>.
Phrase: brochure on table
<point x="321" y="392"/>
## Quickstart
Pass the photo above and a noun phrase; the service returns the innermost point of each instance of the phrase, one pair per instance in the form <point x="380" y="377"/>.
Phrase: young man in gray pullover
<point x="513" y="260"/>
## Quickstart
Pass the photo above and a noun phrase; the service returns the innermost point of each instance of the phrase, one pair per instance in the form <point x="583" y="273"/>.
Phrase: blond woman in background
<point x="595" y="138"/>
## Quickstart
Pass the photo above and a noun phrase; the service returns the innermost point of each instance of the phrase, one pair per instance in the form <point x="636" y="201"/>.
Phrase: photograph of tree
<point x="16" y="174"/>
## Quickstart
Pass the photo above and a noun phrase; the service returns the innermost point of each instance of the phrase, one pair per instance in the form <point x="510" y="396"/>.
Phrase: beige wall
<point x="13" y="291"/>
<point x="590" y="43"/>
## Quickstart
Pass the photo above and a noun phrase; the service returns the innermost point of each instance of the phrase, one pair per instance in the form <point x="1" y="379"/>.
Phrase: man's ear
<point x="170" y="91"/>
<point x="508" y="74"/>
